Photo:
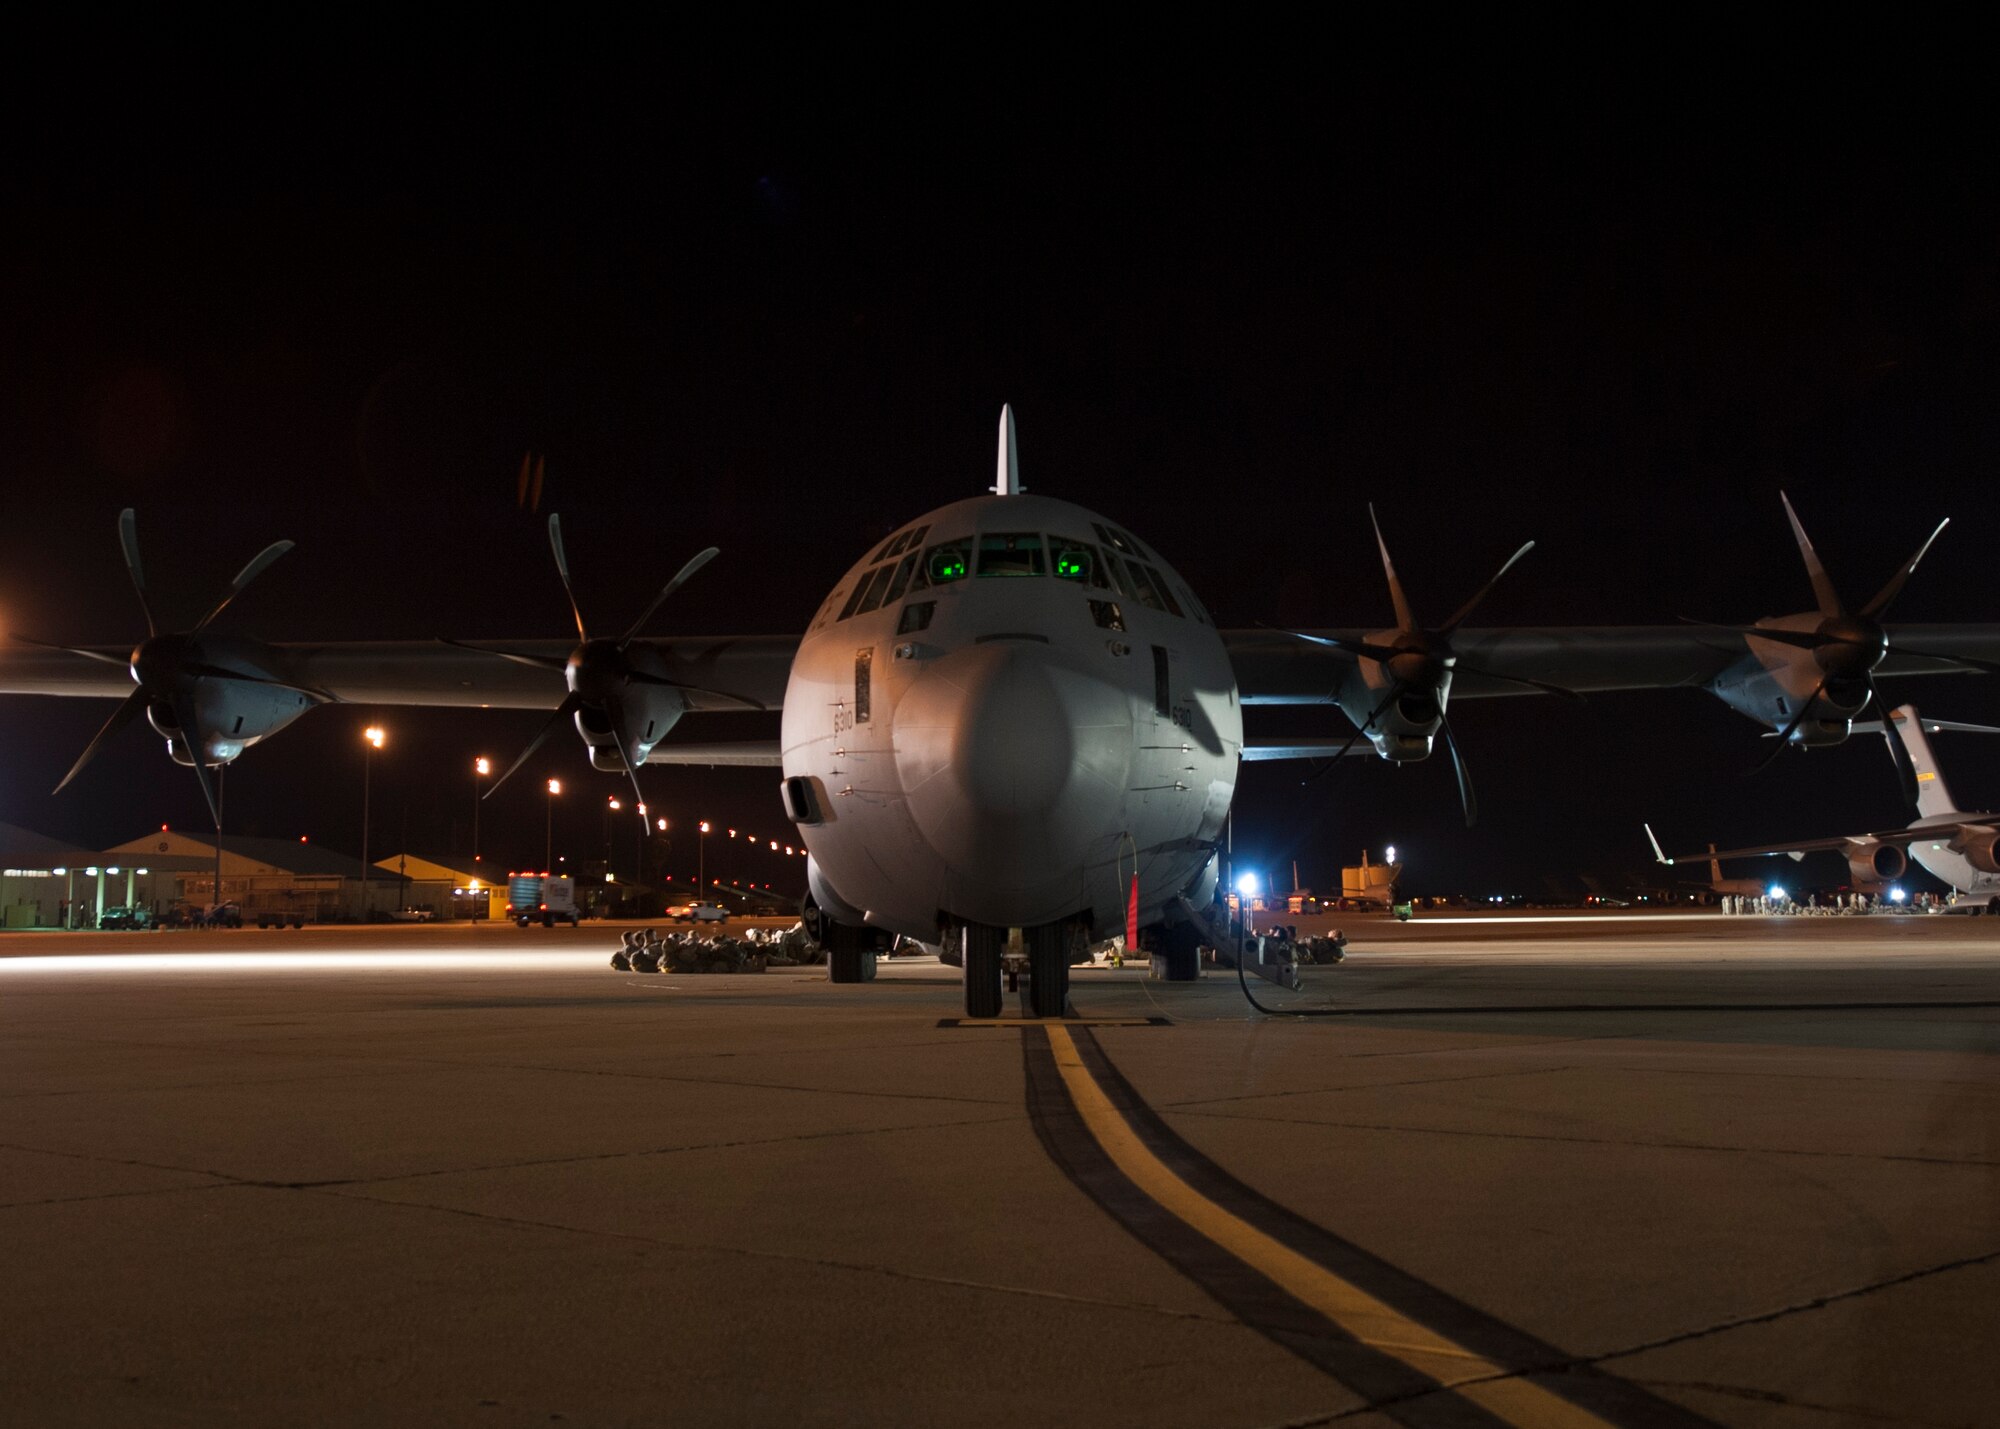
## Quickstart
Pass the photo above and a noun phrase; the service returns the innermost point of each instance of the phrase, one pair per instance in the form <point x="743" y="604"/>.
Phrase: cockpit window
<point x="1152" y="589"/>
<point x="1011" y="554"/>
<point x="908" y="541"/>
<point x="1117" y="569"/>
<point x="1147" y="575"/>
<point x="1076" y="561"/>
<point x="878" y="582"/>
<point x="948" y="561"/>
<point x="1117" y="540"/>
<point x="902" y="580"/>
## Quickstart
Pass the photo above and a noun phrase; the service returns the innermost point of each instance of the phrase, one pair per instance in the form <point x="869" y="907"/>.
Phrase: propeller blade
<point x="1985" y="665"/>
<point x="257" y="566"/>
<point x="192" y="733"/>
<point x="1464" y="669"/>
<point x="566" y="710"/>
<point x="1465" y="796"/>
<point x="695" y="563"/>
<point x="539" y="662"/>
<point x="616" y="719"/>
<point x="1481" y="594"/>
<point x="1822" y="583"/>
<point x="97" y="655"/>
<point x="1381" y="654"/>
<point x="128" y="541"/>
<point x="127" y="709"/>
<point x="1404" y="619"/>
<point x="1785" y="735"/>
<point x="1803" y="639"/>
<point x="640" y="677"/>
<point x="1899" y="754"/>
<point x="562" y="569"/>
<point x="1878" y="608"/>
<point x="1355" y="738"/>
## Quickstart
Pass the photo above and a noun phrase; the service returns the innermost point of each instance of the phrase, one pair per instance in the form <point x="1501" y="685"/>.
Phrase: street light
<point x="549" y="829"/>
<point x="701" y="856"/>
<point x="373" y="739"/>
<point x="481" y="767"/>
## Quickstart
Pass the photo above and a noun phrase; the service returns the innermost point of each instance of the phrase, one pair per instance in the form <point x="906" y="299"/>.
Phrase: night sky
<point x="781" y="318"/>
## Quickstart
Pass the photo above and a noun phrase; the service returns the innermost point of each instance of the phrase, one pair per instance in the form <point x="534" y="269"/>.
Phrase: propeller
<point x="1420" y="661"/>
<point x="1846" y="645"/>
<point x="600" y="672"/>
<point x="169" y="666"/>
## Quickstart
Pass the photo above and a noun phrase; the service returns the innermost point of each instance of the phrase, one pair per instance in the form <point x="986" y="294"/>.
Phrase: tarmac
<point x="1631" y="1169"/>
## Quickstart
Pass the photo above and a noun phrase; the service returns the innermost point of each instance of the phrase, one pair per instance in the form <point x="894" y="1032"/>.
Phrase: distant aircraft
<point x="1011" y="713"/>
<point x="1957" y="846"/>
<point x="1717" y="885"/>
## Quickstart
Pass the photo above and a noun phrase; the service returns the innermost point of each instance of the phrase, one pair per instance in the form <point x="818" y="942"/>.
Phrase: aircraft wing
<point x="1274" y="668"/>
<point x="1262" y="747"/>
<point x="730" y="672"/>
<point x="1904" y="835"/>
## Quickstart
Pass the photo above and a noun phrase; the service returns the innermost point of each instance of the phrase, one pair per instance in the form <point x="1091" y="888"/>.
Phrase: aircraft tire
<point x="982" y="969"/>
<point x="1048" y="969"/>
<point x="843" y="964"/>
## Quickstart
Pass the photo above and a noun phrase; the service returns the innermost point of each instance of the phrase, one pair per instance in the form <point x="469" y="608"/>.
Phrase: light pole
<point x="611" y="807"/>
<point x="549" y="832"/>
<point x="701" y="857"/>
<point x="372" y="739"/>
<point x="481" y="767"/>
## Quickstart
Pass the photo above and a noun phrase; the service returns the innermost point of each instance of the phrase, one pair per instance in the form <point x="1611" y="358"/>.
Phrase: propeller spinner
<point x="193" y="683"/>
<point x="616" y="689"/>
<point x="1846" y="646"/>
<point x="1414" y="666"/>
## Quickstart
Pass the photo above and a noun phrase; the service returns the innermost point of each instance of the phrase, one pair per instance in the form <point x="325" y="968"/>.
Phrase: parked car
<point x="116" y="918"/>
<point x="700" y="911"/>
<point x="222" y="915"/>
<point x="413" y="915"/>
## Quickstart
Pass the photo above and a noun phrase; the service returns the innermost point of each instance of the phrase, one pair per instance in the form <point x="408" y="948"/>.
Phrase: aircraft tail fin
<point x="1933" y="796"/>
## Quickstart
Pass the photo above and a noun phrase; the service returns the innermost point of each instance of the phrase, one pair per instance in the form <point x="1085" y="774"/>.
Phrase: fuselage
<point x="1001" y="714"/>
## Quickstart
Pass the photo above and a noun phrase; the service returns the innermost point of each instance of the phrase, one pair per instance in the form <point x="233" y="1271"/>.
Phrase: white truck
<point x="543" y="898"/>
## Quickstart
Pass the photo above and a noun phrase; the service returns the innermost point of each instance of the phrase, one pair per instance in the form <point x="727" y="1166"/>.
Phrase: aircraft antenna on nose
<point x="1007" y="468"/>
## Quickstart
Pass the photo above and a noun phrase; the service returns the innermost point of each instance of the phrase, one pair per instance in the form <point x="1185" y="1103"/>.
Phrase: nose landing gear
<point x="1047" y="953"/>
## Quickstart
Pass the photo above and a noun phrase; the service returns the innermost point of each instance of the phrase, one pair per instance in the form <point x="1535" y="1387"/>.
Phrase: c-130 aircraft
<point x="1005" y="716"/>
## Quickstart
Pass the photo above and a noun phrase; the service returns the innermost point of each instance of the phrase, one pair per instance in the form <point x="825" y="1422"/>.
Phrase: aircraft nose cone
<point x="1014" y="743"/>
<point x="1004" y="758"/>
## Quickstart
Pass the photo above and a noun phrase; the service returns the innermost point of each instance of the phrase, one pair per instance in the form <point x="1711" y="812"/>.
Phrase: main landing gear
<point x="850" y="951"/>
<point x="1047" y="952"/>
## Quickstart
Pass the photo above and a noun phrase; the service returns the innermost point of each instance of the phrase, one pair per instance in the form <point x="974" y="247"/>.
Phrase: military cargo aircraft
<point x="1960" y="847"/>
<point x="1010" y="714"/>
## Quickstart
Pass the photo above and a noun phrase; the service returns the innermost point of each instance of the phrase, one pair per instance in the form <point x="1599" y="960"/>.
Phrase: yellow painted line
<point x="1371" y="1321"/>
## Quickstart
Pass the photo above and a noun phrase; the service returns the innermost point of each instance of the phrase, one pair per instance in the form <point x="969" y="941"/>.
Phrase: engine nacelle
<point x="1980" y="851"/>
<point x="1872" y="865"/>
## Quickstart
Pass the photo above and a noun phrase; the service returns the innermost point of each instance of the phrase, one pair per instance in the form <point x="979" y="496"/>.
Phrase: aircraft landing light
<point x="1055" y="1022"/>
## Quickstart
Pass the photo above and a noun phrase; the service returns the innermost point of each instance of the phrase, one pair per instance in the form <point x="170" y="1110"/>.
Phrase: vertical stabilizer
<point x="1933" y="797"/>
<point x="1007" y="467"/>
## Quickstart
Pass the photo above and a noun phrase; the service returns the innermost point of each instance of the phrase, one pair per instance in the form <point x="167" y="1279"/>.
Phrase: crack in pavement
<point x="1592" y="1140"/>
<point x="225" y="1178"/>
<point x="1768" y="1396"/>
<point x="1818" y="1302"/>
<point x="1361" y="1087"/>
<point x="787" y="1258"/>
